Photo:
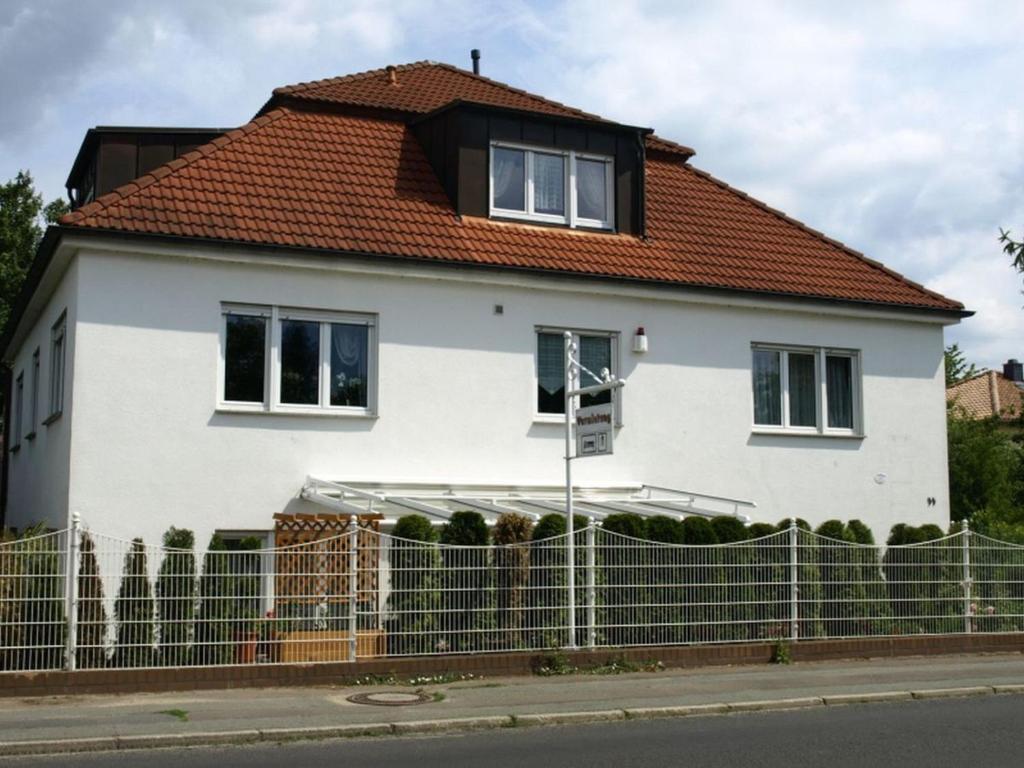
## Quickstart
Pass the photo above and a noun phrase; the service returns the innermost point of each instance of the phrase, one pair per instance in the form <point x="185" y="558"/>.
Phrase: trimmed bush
<point x="135" y="611"/>
<point x="32" y="626"/>
<point x="467" y="594"/>
<point x="213" y="642"/>
<point x="176" y="597"/>
<point x="702" y="579"/>
<point x="626" y="612"/>
<point x="735" y="569"/>
<point x="666" y="581"/>
<point x="92" y="615"/>
<point x="923" y="581"/>
<point x="547" y="599"/>
<point x="512" y="574"/>
<point x="414" y="603"/>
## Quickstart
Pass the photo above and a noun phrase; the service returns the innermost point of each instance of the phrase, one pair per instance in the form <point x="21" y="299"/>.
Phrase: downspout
<point x="641" y="214"/>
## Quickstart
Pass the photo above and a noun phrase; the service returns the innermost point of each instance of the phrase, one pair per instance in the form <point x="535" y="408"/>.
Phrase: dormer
<point x="514" y="165"/>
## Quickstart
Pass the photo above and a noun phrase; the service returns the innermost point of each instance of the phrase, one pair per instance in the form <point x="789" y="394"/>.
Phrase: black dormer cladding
<point x="457" y="141"/>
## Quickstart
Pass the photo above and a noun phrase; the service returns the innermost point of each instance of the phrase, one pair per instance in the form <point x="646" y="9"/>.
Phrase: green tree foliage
<point x="22" y="215"/>
<point x="924" y="581"/>
<point x="414" y="603"/>
<point x="135" y="610"/>
<point x="176" y="597"/>
<point x="213" y="644"/>
<point x="512" y="575"/>
<point x="957" y="367"/>
<point x="1013" y="248"/>
<point x="735" y="569"/>
<point x="626" y="615"/>
<point x="467" y="593"/>
<point x="92" y="615"/>
<point x="986" y="469"/>
<point x="809" y="590"/>
<point x="666" y="581"/>
<point x="700" y="614"/>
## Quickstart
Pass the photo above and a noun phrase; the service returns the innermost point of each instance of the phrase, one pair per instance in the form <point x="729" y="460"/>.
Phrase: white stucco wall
<point x="456" y="402"/>
<point x="38" y="472"/>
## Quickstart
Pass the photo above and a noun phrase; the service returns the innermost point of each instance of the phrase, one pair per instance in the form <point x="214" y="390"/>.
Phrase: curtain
<point x="803" y="394"/>
<point x="839" y="387"/>
<point x="767" y="388"/>
<point x="595" y="354"/>
<point x="349" y="345"/>
<point x="548" y="184"/>
<point x="550" y="373"/>
<point x="509" y="179"/>
<point x="591" y="192"/>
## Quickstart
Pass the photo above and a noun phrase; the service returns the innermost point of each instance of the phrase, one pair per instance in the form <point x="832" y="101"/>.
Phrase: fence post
<point x="794" y="583"/>
<point x="71" y="593"/>
<point x="353" y="589"/>
<point x="591" y="588"/>
<point x="967" y="577"/>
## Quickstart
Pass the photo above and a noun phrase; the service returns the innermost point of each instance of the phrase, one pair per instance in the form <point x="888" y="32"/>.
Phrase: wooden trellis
<point x="313" y="557"/>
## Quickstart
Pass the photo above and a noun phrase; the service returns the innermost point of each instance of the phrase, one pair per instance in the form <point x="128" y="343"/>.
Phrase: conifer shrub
<point x="699" y="562"/>
<point x="624" y="565"/>
<point x="666" y="581"/>
<point x="213" y="626"/>
<point x="135" y="611"/>
<point x="176" y="597"/>
<point x="512" y="573"/>
<point x="468" y="586"/>
<point x="32" y="619"/>
<point x="91" y="652"/>
<point x="547" y="598"/>
<point x="735" y="593"/>
<point x="414" y="602"/>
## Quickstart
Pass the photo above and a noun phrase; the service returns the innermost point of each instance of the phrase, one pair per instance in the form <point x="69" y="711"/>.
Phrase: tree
<point x="22" y="216"/>
<point x="176" y="597"/>
<point x="957" y="367"/>
<point x="986" y="469"/>
<point x="467" y="582"/>
<point x="1013" y="248"/>
<point x="414" y="603"/>
<point x="512" y="574"/>
<point x="135" y="611"/>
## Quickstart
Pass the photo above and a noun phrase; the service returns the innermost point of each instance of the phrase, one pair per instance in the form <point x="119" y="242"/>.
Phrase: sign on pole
<point x="594" y="430"/>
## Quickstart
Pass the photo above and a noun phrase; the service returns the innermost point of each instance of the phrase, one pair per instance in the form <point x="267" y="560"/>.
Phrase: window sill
<point x="31" y="435"/>
<point x="15" y="448"/>
<point x="807" y="433"/>
<point x="304" y="412"/>
<point x="557" y="419"/>
<point x="52" y="418"/>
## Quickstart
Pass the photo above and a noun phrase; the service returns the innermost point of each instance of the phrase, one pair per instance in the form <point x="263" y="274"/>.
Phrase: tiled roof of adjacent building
<point x="988" y="394"/>
<point x="306" y="177"/>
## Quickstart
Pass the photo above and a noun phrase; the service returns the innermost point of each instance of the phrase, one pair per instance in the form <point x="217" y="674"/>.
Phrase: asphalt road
<point x="954" y="732"/>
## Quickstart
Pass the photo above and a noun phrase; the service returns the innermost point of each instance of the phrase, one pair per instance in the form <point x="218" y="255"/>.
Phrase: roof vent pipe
<point x="392" y="71"/>
<point x="475" y="56"/>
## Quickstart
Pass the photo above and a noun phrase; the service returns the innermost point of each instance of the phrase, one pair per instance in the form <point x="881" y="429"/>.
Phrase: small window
<point x="33" y="421"/>
<point x="19" y="406"/>
<point x="805" y="389"/>
<point x="58" y="336"/>
<point x="557" y="187"/>
<point x="596" y="353"/>
<point x="317" y="361"/>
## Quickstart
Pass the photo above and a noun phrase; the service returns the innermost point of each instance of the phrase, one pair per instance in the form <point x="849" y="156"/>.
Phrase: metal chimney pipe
<point x="475" y="56"/>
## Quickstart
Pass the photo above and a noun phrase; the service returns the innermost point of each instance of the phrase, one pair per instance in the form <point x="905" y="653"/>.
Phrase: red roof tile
<point x="325" y="180"/>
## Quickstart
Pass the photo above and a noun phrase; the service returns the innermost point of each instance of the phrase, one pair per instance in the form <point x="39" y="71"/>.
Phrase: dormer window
<point x="551" y="186"/>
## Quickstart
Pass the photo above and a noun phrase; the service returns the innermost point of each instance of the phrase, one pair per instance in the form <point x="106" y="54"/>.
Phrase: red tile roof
<point x="341" y="182"/>
<point x="988" y="394"/>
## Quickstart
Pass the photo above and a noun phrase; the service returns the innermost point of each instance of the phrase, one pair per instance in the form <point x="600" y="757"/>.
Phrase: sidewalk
<point x="78" y="723"/>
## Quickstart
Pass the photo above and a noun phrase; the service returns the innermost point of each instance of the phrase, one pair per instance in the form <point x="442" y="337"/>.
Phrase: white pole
<point x="967" y="576"/>
<point x="591" y="587"/>
<point x="353" y="589"/>
<point x="71" y="593"/>
<point x="571" y="544"/>
<point x="794" y="582"/>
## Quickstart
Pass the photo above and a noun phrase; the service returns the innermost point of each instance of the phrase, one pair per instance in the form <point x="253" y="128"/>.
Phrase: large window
<point x="559" y="187"/>
<point x="806" y="389"/>
<point x="597" y="351"/>
<point x="58" y="339"/>
<point x="292" y="360"/>
<point x="19" y="405"/>
<point x="33" y="405"/>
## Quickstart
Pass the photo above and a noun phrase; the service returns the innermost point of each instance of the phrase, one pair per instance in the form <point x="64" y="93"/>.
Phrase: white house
<point x="367" y="285"/>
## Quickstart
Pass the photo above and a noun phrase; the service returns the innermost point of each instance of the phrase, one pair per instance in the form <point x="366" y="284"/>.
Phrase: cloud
<point x="893" y="127"/>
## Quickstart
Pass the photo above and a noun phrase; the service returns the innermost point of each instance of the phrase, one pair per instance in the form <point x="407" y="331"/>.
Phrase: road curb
<point x="411" y="728"/>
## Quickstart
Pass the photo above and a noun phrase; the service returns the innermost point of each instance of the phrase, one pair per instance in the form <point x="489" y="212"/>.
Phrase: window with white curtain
<point x="813" y="390"/>
<point x="288" y="360"/>
<point x="597" y="350"/>
<point x="553" y="186"/>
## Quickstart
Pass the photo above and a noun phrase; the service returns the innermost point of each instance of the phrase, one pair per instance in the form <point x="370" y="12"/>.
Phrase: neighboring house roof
<point x="320" y="177"/>
<point x="988" y="394"/>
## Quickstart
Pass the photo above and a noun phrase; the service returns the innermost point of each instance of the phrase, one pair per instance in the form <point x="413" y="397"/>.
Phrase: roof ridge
<point x="837" y="244"/>
<point x="134" y="186"/>
<point x="293" y="89"/>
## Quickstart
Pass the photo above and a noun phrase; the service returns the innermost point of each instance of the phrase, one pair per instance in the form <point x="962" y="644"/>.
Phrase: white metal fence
<point x="80" y="600"/>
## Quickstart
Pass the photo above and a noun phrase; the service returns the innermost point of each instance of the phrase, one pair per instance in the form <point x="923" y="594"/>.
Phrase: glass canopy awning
<point x="438" y="501"/>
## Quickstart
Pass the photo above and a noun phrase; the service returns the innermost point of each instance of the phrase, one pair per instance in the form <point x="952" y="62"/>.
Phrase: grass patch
<point x="439" y="696"/>
<point x="781" y="653"/>
<point x="557" y="663"/>
<point x="180" y="714"/>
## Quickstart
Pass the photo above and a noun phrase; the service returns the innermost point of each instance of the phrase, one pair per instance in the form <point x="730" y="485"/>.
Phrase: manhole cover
<point x="390" y="698"/>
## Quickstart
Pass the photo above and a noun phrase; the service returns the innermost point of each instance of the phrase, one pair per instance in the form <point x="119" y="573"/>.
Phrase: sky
<point x="894" y="127"/>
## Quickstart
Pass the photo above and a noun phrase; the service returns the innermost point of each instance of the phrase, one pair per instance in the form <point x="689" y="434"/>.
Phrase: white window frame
<point x="571" y="217"/>
<point x="821" y="427"/>
<point x="58" y="367"/>
<point x="614" y="336"/>
<point x="274" y="316"/>
<point x="34" y="396"/>
<point x="18" y="407"/>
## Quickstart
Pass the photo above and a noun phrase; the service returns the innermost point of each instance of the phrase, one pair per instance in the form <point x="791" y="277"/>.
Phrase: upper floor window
<point x="806" y="389"/>
<point x="597" y="351"/>
<point x="19" y="405"/>
<point x="552" y="186"/>
<point x="58" y="338"/>
<point x="291" y="360"/>
<point x="33" y="411"/>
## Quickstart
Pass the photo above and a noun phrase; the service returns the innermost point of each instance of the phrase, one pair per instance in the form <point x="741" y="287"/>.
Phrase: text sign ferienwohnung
<point x="594" y="430"/>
